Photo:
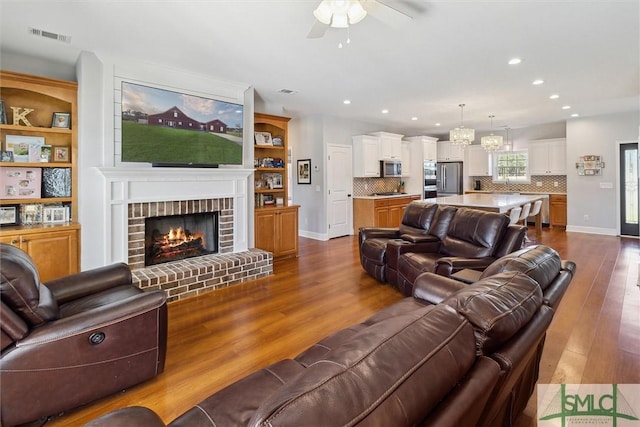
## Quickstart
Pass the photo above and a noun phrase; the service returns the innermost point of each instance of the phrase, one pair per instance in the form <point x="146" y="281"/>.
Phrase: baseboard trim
<point x="592" y="230"/>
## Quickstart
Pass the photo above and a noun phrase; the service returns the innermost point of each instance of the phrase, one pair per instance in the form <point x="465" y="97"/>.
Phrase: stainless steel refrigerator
<point x="449" y="178"/>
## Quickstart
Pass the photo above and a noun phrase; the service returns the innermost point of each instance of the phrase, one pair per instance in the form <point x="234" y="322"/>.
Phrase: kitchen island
<point x="380" y="209"/>
<point x="494" y="202"/>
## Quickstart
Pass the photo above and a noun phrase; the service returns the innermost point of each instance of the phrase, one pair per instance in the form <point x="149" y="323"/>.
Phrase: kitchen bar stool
<point x="535" y="210"/>
<point x="514" y="215"/>
<point x="524" y="214"/>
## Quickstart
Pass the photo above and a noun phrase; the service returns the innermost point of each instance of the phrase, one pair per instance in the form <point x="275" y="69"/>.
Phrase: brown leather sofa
<point x="472" y="359"/>
<point x="439" y="239"/>
<point x="73" y="340"/>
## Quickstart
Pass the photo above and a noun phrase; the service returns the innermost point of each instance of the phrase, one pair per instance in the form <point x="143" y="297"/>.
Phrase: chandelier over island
<point x="461" y="135"/>
<point x="491" y="142"/>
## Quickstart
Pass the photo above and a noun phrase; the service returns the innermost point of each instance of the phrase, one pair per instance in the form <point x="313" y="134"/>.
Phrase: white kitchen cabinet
<point x="449" y="152"/>
<point x="478" y="161"/>
<point x="548" y="157"/>
<point x="389" y="145"/>
<point x="365" y="156"/>
<point x="430" y="150"/>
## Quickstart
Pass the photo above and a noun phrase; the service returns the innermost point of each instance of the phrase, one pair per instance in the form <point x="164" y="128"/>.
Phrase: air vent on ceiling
<point x="287" y="91"/>
<point x="49" y="35"/>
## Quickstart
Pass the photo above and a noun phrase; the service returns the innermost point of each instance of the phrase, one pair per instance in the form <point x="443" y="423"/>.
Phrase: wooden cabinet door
<point x="266" y="230"/>
<point x="287" y="224"/>
<point x="395" y="215"/>
<point x="55" y="254"/>
<point x="381" y="216"/>
<point x="558" y="210"/>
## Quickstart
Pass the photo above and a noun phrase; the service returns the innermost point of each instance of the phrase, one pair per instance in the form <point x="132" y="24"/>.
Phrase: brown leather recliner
<point x="474" y="240"/>
<point x="75" y="339"/>
<point x="417" y="220"/>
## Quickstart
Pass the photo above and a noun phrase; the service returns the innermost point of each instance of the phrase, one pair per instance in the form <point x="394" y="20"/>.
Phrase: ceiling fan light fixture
<point x="339" y="21"/>
<point x="323" y="12"/>
<point x="356" y="12"/>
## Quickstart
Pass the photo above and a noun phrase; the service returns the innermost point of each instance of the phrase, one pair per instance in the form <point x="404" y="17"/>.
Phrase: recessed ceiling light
<point x="437" y="124"/>
<point x="575" y="115"/>
<point x="514" y="61"/>
<point x="566" y="107"/>
<point x="538" y="82"/>
<point x="414" y="118"/>
<point x="554" y="96"/>
<point x="287" y="91"/>
<point x="346" y="102"/>
<point x="385" y="111"/>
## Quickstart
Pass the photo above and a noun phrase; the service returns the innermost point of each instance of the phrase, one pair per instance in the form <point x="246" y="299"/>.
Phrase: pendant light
<point x="462" y="136"/>
<point x="491" y="142"/>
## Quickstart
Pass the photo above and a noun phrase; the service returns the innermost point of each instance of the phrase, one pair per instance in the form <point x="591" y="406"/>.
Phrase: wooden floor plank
<point x="217" y="338"/>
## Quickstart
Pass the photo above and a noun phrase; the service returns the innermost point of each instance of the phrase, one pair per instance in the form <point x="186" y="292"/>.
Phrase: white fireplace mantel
<point x="123" y="186"/>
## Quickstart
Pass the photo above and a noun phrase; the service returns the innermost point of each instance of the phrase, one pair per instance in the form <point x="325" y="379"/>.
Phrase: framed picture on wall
<point x="304" y="171"/>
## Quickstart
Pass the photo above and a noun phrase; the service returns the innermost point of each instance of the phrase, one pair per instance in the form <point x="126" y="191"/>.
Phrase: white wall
<point x="600" y="136"/>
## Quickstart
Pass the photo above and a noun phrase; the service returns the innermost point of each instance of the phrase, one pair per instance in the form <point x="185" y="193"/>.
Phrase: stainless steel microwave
<point x="390" y="168"/>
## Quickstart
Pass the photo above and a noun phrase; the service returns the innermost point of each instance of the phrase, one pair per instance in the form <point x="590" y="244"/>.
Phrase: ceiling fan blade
<point x="317" y="30"/>
<point x="386" y="14"/>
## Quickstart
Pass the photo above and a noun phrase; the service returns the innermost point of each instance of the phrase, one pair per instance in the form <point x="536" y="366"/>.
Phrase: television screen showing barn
<point x="167" y="127"/>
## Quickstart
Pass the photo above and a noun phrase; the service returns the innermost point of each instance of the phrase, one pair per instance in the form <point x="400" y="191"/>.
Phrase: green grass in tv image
<point x="156" y="144"/>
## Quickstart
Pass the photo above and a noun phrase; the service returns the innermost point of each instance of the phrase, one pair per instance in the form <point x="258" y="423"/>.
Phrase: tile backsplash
<point x="367" y="186"/>
<point x="548" y="184"/>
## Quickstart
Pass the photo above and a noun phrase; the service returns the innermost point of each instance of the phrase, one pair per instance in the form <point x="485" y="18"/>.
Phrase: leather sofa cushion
<point x="21" y="290"/>
<point x="498" y="307"/>
<point x="394" y="371"/>
<point x="442" y="221"/>
<point x="539" y="262"/>
<point x="474" y="234"/>
<point x="417" y="218"/>
<point x="235" y="404"/>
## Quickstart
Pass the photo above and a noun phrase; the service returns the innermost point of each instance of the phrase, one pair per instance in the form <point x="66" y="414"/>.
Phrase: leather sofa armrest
<point x="419" y="238"/>
<point x="108" y="314"/>
<point x="89" y="282"/>
<point x="433" y="288"/>
<point x="446" y="266"/>
<point x="568" y="266"/>
<point x="397" y="247"/>
<point x="377" y="233"/>
<point x="131" y="417"/>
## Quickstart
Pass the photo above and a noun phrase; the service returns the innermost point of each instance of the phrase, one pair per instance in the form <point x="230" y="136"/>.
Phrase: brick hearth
<point x="193" y="276"/>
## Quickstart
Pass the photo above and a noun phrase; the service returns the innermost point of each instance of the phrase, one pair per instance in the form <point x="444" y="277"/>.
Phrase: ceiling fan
<point x="342" y="13"/>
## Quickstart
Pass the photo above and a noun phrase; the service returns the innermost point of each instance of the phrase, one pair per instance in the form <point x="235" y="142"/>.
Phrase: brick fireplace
<point x="136" y="194"/>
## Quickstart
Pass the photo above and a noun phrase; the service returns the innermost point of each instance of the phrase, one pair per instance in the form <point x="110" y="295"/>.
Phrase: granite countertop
<point x="495" y="202"/>
<point x="513" y="192"/>
<point x="387" y="195"/>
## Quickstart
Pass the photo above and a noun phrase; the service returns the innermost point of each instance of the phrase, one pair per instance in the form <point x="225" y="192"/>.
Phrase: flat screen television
<point x="168" y="128"/>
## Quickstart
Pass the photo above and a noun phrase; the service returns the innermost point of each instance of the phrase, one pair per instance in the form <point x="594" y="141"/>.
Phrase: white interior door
<point x="340" y="187"/>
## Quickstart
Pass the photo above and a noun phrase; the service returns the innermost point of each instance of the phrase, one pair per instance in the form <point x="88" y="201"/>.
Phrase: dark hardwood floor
<point x="219" y="337"/>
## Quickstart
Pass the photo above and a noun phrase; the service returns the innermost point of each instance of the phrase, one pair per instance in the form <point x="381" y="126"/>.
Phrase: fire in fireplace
<point x="175" y="237"/>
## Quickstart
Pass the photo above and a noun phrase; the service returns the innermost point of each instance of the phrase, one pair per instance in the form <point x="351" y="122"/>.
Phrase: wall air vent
<point x="49" y="35"/>
<point x="287" y="91"/>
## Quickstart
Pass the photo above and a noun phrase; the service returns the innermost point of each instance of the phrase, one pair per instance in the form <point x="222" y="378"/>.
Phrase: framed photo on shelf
<point x="61" y="121"/>
<point x="60" y="154"/>
<point x="45" y="153"/>
<point x="304" y="171"/>
<point x="7" y="156"/>
<point x="31" y="214"/>
<point x="55" y="214"/>
<point x="25" y="148"/>
<point x="9" y="215"/>
<point x="263" y="138"/>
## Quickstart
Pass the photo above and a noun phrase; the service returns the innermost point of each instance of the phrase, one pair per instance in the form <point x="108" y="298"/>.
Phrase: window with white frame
<point x="512" y="167"/>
